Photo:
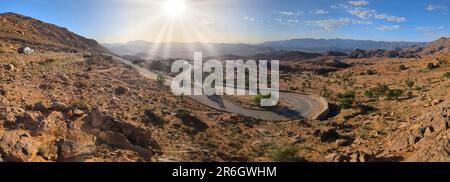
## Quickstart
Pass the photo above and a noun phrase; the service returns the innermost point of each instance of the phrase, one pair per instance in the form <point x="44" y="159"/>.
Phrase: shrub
<point x="346" y="99"/>
<point x="287" y="154"/>
<point x="259" y="97"/>
<point x="161" y="79"/>
<point x="394" y="94"/>
<point x="409" y="83"/>
<point x="381" y="90"/>
<point x="369" y="94"/>
<point x="447" y="75"/>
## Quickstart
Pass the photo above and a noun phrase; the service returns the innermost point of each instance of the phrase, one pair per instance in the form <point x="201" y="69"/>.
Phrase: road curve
<point x="303" y="105"/>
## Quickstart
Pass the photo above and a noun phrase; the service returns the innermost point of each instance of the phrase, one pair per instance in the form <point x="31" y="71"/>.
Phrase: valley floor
<point x="83" y="107"/>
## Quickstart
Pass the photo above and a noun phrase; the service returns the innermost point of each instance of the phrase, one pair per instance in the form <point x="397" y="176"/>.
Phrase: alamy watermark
<point x="231" y="77"/>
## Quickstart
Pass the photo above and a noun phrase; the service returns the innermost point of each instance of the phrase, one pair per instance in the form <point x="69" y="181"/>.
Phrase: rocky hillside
<point x="18" y="30"/>
<point x="440" y="45"/>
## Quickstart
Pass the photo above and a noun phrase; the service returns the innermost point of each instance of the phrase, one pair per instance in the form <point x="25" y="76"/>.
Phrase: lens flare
<point x="175" y="8"/>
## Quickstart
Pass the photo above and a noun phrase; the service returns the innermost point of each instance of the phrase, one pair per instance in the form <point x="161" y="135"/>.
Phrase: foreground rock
<point x="17" y="146"/>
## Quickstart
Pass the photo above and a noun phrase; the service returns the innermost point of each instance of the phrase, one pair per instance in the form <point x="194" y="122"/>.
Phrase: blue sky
<point x="246" y="21"/>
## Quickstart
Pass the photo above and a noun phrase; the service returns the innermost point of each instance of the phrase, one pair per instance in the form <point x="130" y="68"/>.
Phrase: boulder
<point x="17" y="147"/>
<point x="69" y="150"/>
<point x="115" y="139"/>
<point x="53" y="125"/>
<point x="10" y="67"/>
<point x="31" y="119"/>
<point x="121" y="90"/>
<point x="59" y="106"/>
<point x="328" y="135"/>
<point x="96" y="118"/>
<point x="343" y="142"/>
<point x="40" y="106"/>
<point x="152" y="118"/>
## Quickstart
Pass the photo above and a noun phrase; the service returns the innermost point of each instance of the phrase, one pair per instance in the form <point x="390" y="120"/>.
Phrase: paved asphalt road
<point x="303" y="105"/>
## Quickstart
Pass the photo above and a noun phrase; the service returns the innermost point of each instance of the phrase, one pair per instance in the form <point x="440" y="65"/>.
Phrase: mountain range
<point x="185" y="50"/>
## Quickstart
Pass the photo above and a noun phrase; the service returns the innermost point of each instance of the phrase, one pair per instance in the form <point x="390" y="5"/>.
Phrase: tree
<point x="346" y="99"/>
<point x="369" y="94"/>
<point x="447" y="75"/>
<point x="394" y="94"/>
<point x="161" y="79"/>
<point x="409" y="83"/>
<point x="259" y="97"/>
<point x="381" y="90"/>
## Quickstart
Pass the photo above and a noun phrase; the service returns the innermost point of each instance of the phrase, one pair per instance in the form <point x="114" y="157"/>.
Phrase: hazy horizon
<point x="259" y="42"/>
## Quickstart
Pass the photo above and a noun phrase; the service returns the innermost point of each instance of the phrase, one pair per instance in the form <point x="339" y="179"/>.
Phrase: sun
<point x="175" y="8"/>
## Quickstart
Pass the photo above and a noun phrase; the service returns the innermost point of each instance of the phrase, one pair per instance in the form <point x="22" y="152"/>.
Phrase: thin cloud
<point x="430" y="31"/>
<point x="366" y="13"/>
<point x="432" y="7"/>
<point x="389" y="27"/>
<point x="287" y="21"/>
<point x="361" y="13"/>
<point x="319" y="12"/>
<point x="330" y="24"/>
<point x="358" y="3"/>
<point x="390" y="18"/>
<point x="247" y="18"/>
<point x="290" y="13"/>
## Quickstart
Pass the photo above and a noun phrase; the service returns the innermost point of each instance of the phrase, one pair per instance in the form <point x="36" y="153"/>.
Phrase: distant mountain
<point x="17" y="30"/>
<point x="441" y="45"/>
<point x="149" y="50"/>
<point x="287" y="56"/>
<point x="342" y="45"/>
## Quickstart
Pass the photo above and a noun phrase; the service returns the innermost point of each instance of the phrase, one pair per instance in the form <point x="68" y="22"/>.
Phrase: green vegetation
<point x="286" y="154"/>
<point x="161" y="79"/>
<point x="259" y="97"/>
<point x="384" y="90"/>
<point x="347" y="99"/>
<point x="369" y="94"/>
<point x="447" y="75"/>
<point x="381" y="90"/>
<point x="394" y="94"/>
<point x="409" y="83"/>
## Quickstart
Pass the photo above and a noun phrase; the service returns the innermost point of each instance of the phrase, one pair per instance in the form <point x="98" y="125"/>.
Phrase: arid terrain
<point x="69" y="101"/>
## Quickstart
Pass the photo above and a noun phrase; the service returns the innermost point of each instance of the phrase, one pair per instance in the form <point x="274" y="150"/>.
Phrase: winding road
<point x="303" y="105"/>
